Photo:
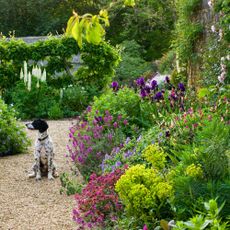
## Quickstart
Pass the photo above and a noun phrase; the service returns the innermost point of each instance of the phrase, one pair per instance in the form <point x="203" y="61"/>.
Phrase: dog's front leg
<point x="37" y="155"/>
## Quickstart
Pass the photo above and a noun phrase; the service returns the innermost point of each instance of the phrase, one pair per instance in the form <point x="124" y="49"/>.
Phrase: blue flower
<point x="181" y="87"/>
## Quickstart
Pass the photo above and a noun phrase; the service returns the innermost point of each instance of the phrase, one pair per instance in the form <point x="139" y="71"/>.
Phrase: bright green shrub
<point x="144" y="192"/>
<point x="12" y="138"/>
<point x="155" y="155"/>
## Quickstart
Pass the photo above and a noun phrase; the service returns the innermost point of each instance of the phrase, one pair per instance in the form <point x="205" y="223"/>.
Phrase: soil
<point x="27" y="204"/>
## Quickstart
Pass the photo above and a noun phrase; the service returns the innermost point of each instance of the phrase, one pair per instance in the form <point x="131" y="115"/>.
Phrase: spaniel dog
<point x="43" y="154"/>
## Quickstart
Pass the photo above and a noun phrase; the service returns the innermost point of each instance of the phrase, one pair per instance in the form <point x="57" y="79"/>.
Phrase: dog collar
<point x="42" y="139"/>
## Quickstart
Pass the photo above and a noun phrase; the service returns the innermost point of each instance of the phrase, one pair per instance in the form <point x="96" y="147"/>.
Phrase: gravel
<point x="26" y="204"/>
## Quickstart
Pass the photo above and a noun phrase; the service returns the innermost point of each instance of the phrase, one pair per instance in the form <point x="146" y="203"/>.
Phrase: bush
<point x="125" y="102"/>
<point x="55" y="112"/>
<point x="132" y="64"/>
<point x="75" y="99"/>
<point x="35" y="103"/>
<point x="98" y="204"/>
<point x="13" y="139"/>
<point x="145" y="193"/>
<point x="91" y="141"/>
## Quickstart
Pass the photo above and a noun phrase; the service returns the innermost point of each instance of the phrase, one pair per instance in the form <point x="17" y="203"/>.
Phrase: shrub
<point x="75" y="99"/>
<point x="34" y="103"/>
<point x="98" y="204"/>
<point x="90" y="141"/>
<point x="144" y="192"/>
<point x="55" y="111"/>
<point x="13" y="139"/>
<point x="125" y="102"/>
<point x="132" y="64"/>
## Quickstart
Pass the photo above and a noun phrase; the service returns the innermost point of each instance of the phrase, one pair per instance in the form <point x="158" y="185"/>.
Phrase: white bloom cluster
<point x="223" y="68"/>
<point x="36" y="72"/>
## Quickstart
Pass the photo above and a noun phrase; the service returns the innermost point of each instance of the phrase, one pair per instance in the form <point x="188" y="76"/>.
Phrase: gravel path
<point x="26" y="204"/>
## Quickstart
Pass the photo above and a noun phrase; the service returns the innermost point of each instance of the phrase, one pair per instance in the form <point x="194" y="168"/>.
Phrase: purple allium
<point x="158" y="96"/>
<point x="181" y="87"/>
<point x="115" y="85"/>
<point x="167" y="80"/>
<point x="153" y="84"/>
<point x="140" y="81"/>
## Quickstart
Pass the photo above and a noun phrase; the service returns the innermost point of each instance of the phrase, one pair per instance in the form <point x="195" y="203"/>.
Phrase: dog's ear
<point x="43" y="126"/>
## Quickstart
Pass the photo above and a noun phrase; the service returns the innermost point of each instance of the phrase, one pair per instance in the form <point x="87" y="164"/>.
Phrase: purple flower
<point x="158" y="96"/>
<point x="145" y="227"/>
<point x="167" y="80"/>
<point x="98" y="119"/>
<point x="118" y="164"/>
<point x="125" y="122"/>
<point x="140" y="81"/>
<point x="115" y="125"/>
<point x="115" y="85"/>
<point x="143" y="93"/>
<point x="153" y="84"/>
<point x="147" y="89"/>
<point x="181" y="87"/>
<point x="167" y="133"/>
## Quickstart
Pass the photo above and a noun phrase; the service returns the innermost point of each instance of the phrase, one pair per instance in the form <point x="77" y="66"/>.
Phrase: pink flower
<point x="125" y="122"/>
<point x="115" y="125"/>
<point x="145" y="227"/>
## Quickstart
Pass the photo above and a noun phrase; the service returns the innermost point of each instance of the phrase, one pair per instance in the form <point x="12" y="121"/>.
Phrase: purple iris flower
<point x="140" y="81"/>
<point x="167" y="80"/>
<point x="147" y="89"/>
<point x="143" y="93"/>
<point x="181" y="87"/>
<point x="153" y="84"/>
<point x="158" y="96"/>
<point x="115" y="85"/>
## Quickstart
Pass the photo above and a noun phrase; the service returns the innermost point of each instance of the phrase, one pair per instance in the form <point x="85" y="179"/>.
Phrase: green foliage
<point x="125" y="102"/>
<point x="144" y="192"/>
<point x="55" y="112"/>
<point x="167" y="62"/>
<point x="210" y="219"/>
<point x="13" y="140"/>
<point x="132" y="64"/>
<point x="99" y="62"/>
<point x="187" y="32"/>
<point x="69" y="184"/>
<point x="56" y="51"/>
<point x="75" y="98"/>
<point x="34" y="103"/>
<point x="88" y="27"/>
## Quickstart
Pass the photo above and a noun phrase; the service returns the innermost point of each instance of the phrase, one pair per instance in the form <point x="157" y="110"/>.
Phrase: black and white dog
<point x="44" y="160"/>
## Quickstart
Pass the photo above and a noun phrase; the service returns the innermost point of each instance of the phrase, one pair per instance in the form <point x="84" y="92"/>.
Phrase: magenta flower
<point x="145" y="227"/>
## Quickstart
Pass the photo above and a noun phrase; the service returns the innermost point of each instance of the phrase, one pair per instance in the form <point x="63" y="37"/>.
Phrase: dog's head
<point x="39" y="124"/>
